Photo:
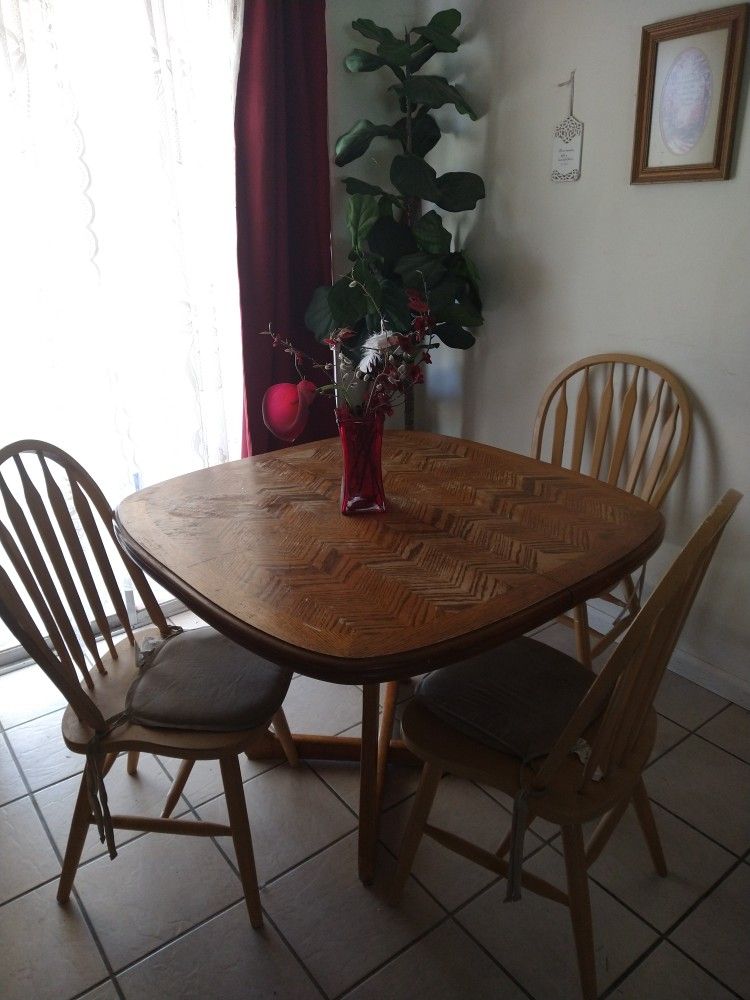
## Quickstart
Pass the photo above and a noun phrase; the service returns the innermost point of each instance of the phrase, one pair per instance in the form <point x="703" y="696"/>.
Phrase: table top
<point x="478" y="545"/>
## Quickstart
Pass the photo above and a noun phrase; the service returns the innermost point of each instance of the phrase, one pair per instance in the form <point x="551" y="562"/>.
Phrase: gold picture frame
<point x="688" y="96"/>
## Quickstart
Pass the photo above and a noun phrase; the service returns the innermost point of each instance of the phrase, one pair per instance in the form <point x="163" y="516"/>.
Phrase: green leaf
<point x="361" y="212"/>
<point x="453" y="335"/>
<point x="434" y="91"/>
<point x="362" y="272"/>
<point x="459" y="191"/>
<point x="369" y="29"/>
<point x="462" y="313"/>
<point x="347" y="304"/>
<point x="444" y="295"/>
<point x="362" y="61"/>
<point x="455" y="192"/>
<point x="422" y="55"/>
<point x="395" y="51"/>
<point x="440" y="30"/>
<point x="431" y="235"/>
<point x="354" y="186"/>
<point x="463" y="268"/>
<point x="352" y="144"/>
<point x="420" y="269"/>
<point x="425" y="133"/>
<point x="395" y="305"/>
<point x="318" y="317"/>
<point x="390" y="240"/>
<point x="385" y="205"/>
<point x="445" y="20"/>
<point x="471" y="269"/>
<point x="414" y="178"/>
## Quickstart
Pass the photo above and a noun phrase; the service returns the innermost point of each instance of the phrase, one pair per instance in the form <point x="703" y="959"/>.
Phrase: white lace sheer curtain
<point x="119" y="305"/>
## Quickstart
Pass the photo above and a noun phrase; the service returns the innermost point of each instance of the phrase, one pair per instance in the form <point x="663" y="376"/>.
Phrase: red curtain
<point x="283" y="203"/>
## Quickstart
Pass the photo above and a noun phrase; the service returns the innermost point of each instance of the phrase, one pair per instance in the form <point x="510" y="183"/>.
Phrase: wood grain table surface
<point x="478" y="545"/>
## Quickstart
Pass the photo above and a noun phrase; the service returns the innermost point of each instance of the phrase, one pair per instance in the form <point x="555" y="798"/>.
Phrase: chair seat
<point x="433" y="740"/>
<point x="480" y="719"/>
<point x="517" y="698"/>
<point x="205" y="678"/>
<point x="201" y="680"/>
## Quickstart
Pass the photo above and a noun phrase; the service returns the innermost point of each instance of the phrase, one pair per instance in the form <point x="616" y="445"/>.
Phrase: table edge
<point x="394" y="666"/>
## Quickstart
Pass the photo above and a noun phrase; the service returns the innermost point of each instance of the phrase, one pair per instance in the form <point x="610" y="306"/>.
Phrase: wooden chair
<point x="59" y="585"/>
<point x="628" y="424"/>
<point x="617" y="723"/>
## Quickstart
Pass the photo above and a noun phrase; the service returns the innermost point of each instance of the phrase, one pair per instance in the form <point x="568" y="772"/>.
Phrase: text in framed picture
<point x="688" y="96"/>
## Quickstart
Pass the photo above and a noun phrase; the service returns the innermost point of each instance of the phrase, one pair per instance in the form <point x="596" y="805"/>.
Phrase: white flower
<point x="374" y="350"/>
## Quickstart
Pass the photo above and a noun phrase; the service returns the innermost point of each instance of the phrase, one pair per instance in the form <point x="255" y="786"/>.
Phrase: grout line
<point x="397" y="954"/>
<point x="298" y="958"/>
<point x="286" y="871"/>
<point x="729" y="753"/>
<point x="36" y="718"/>
<point x="694" y="828"/>
<point x="664" y="753"/>
<point x="170" y="941"/>
<point x="98" y="986"/>
<point x="493" y="959"/>
<point x="711" y="717"/>
<point x="335" y="794"/>
<point x="664" y="937"/>
<point x="310" y="857"/>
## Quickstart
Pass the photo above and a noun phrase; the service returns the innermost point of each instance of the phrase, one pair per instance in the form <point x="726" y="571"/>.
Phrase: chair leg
<point x="133" y="756"/>
<point x="284" y="734"/>
<point x="173" y="796"/>
<point x="79" y="827"/>
<point x="583" y="642"/>
<point x="604" y="830"/>
<point x="420" y="811"/>
<point x="648" y="826"/>
<point x="109" y="761"/>
<point x="580" y="908"/>
<point x="384" y="737"/>
<point x="243" y="844"/>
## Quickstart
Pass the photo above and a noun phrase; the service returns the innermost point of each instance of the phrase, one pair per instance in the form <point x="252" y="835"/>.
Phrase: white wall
<point x="567" y="270"/>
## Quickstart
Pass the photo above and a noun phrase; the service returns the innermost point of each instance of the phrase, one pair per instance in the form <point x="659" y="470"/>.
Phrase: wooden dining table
<point x="477" y="546"/>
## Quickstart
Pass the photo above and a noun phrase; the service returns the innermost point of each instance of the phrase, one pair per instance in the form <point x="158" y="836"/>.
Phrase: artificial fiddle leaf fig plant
<point x="401" y="252"/>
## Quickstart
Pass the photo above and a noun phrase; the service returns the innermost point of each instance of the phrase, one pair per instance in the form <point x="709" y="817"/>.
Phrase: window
<point x="119" y="316"/>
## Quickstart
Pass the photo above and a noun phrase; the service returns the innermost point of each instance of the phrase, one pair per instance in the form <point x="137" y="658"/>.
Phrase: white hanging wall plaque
<point x="566" y="150"/>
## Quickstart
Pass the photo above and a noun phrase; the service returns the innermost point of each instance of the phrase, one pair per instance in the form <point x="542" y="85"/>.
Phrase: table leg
<point x="368" y="786"/>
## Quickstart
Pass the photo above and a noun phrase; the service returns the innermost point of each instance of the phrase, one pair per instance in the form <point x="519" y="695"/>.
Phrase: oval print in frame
<point x="685" y="101"/>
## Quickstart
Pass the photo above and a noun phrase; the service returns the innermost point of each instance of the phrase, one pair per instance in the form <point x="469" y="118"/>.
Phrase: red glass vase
<point x="361" y="444"/>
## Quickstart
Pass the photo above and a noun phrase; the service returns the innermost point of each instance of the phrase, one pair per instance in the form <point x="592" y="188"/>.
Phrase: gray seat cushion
<point x="199" y="679"/>
<point x="517" y="698"/>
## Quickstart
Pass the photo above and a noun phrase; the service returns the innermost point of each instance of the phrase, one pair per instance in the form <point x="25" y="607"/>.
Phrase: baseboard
<point x="687" y="665"/>
<point x="711" y="677"/>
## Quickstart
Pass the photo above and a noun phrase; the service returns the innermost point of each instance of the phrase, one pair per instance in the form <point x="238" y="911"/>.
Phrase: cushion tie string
<point x="145" y="653"/>
<point x="97" y="793"/>
<point x="517" y="836"/>
<point x="518" y="825"/>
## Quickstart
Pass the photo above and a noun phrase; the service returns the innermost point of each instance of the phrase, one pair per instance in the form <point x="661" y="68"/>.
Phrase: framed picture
<point x="688" y="94"/>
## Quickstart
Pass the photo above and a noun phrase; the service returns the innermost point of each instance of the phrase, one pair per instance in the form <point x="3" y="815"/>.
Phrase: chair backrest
<point x="629" y="425"/>
<point x="56" y="572"/>
<point x="622" y="695"/>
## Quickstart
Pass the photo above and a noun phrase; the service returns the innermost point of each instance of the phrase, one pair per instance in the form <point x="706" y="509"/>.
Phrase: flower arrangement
<point x="374" y="382"/>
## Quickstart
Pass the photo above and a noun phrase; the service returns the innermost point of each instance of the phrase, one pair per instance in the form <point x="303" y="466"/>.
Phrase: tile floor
<point x="166" y="919"/>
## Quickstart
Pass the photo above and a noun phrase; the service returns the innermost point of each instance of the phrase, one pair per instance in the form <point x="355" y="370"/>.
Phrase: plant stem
<point x="409" y="407"/>
<point x="411" y="205"/>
